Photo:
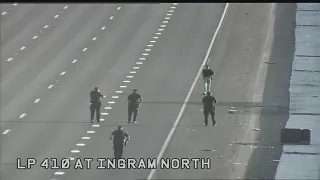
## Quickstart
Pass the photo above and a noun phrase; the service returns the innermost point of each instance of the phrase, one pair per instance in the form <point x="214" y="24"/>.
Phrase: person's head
<point x="207" y="66"/>
<point x="135" y="90"/>
<point x="208" y="93"/>
<point x="119" y="127"/>
<point x="96" y="88"/>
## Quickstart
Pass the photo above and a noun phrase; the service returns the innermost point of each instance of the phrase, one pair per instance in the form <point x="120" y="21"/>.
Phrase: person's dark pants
<point x="118" y="150"/>
<point x="206" y="115"/>
<point x="132" y="109"/>
<point x="95" y="108"/>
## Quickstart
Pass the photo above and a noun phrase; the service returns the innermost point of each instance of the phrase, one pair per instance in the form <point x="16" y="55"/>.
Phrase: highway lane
<point x="53" y="126"/>
<point x="252" y="35"/>
<point x="236" y="58"/>
<point x="22" y="30"/>
<point x="165" y="75"/>
<point x="30" y="75"/>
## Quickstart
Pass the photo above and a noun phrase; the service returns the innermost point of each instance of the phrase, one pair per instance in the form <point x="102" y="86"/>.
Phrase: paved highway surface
<point x="53" y="55"/>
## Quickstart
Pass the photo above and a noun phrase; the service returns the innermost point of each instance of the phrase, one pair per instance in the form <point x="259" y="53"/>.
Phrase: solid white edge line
<point x="164" y="147"/>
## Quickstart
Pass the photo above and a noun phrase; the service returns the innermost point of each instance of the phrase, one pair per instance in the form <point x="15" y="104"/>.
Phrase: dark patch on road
<point x="261" y="164"/>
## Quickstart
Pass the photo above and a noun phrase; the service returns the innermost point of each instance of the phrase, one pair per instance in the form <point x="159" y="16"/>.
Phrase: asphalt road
<point x="88" y="45"/>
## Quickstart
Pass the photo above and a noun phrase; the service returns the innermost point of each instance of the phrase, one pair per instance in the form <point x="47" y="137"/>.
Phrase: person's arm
<point x="111" y="136"/>
<point x="129" y="98"/>
<point x="127" y="137"/>
<point x="140" y="99"/>
<point x="101" y="95"/>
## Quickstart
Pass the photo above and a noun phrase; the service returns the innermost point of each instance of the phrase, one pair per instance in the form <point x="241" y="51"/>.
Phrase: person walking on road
<point x="209" y="102"/>
<point x="119" y="139"/>
<point x="134" y="100"/>
<point x="207" y="77"/>
<point x="95" y="103"/>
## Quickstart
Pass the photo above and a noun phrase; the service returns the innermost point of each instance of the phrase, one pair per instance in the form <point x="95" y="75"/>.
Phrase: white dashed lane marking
<point x="171" y="11"/>
<point x="75" y="151"/>
<point x="101" y="120"/>
<point x="163" y="25"/>
<point x="4" y="13"/>
<point x="84" y="49"/>
<point x="74" y="61"/>
<point x="6" y="131"/>
<point x="125" y="81"/>
<point x="49" y="87"/>
<point x="59" y="173"/>
<point x="44" y="27"/>
<point x="169" y="14"/>
<point x="10" y="59"/>
<point x="37" y="100"/>
<point x="62" y="73"/>
<point x="22" y="115"/>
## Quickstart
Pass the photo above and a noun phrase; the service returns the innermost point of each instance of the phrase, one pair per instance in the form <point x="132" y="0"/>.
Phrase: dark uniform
<point x="208" y="108"/>
<point x="207" y="73"/>
<point x="120" y="139"/>
<point x="95" y="103"/>
<point x="134" y="100"/>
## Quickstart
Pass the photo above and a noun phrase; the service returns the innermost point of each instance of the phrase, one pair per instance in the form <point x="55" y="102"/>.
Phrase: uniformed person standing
<point x="134" y="100"/>
<point x="95" y="103"/>
<point x="120" y="139"/>
<point x="207" y="77"/>
<point x="209" y="102"/>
